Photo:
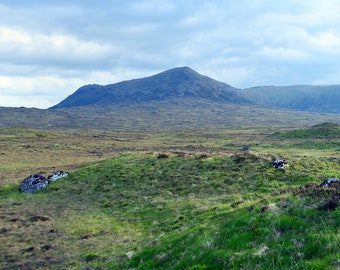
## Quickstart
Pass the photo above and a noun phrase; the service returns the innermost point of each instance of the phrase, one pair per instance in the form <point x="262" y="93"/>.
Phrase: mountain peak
<point x="180" y="71"/>
<point x="177" y="83"/>
<point x="180" y="74"/>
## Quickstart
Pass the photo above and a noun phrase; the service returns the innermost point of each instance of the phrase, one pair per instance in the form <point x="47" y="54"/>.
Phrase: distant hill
<point x="323" y="130"/>
<point x="311" y="98"/>
<point x="178" y="83"/>
<point x="178" y="98"/>
<point x="161" y="115"/>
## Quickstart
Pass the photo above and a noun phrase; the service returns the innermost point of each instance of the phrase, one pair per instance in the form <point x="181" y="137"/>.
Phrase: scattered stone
<point x="37" y="182"/>
<point x="57" y="176"/>
<point x="280" y="164"/>
<point x="3" y="230"/>
<point x="34" y="183"/>
<point x="245" y="148"/>
<point x="129" y="254"/>
<point x="329" y="182"/>
<point x="300" y="254"/>
<point x="262" y="251"/>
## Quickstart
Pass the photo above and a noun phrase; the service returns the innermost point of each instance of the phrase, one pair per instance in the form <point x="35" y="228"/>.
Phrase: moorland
<point x="190" y="199"/>
<point x="173" y="171"/>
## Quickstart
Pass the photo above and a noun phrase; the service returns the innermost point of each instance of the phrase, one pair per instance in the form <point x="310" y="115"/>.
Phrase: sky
<point x="48" y="49"/>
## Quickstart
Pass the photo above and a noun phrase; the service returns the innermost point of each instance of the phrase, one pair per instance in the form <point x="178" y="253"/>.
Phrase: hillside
<point x="172" y="201"/>
<point x="323" y="130"/>
<point x="178" y="83"/>
<point x="311" y="98"/>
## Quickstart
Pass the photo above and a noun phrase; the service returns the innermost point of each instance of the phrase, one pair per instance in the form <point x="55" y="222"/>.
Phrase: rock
<point x="280" y="164"/>
<point x="57" y="176"/>
<point x="245" y="148"/>
<point x="3" y="230"/>
<point x="37" y="182"/>
<point x="329" y="182"/>
<point x="34" y="183"/>
<point x="262" y="251"/>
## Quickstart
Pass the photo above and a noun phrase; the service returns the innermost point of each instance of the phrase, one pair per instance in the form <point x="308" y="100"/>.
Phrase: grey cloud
<point x="243" y="43"/>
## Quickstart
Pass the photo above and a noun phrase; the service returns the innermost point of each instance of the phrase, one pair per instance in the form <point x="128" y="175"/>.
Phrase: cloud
<point x="151" y="7"/>
<point x="50" y="48"/>
<point x="283" y="54"/>
<point x="40" y="91"/>
<point x="22" y="47"/>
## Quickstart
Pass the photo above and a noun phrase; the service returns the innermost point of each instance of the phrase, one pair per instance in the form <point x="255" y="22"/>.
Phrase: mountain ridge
<point x="310" y="98"/>
<point x="182" y="82"/>
<point x="185" y="83"/>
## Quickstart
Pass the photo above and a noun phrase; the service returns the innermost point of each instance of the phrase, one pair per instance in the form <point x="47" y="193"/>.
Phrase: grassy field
<point x="171" y="200"/>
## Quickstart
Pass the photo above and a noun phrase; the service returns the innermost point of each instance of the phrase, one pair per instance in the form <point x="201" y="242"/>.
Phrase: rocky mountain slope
<point x="186" y="84"/>
<point x="178" y="83"/>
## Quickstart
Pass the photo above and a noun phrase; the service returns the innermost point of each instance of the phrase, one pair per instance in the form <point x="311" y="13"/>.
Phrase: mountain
<point x="178" y="83"/>
<point x="175" y="99"/>
<point x="311" y="98"/>
<point x="185" y="84"/>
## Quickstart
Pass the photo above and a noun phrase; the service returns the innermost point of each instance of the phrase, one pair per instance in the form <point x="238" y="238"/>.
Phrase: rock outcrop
<point x="280" y="164"/>
<point x="329" y="182"/>
<point x="57" y="176"/>
<point x="37" y="182"/>
<point x="34" y="183"/>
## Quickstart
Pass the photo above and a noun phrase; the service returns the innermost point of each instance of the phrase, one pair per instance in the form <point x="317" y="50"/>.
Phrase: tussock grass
<point x="172" y="201"/>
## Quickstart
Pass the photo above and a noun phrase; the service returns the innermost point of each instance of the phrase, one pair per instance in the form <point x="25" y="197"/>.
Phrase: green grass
<point x="200" y="205"/>
<point x="324" y="130"/>
<point x="193" y="212"/>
